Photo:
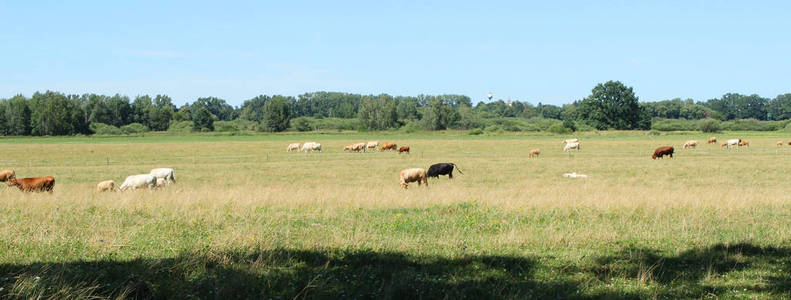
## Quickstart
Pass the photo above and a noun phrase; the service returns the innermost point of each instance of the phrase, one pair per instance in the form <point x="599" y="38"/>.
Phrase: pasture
<point x="246" y="219"/>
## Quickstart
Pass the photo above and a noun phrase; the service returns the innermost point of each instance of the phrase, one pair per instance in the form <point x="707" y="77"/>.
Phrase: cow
<point x="690" y="144"/>
<point x="789" y="143"/>
<point x="724" y="144"/>
<point x="662" y="151"/>
<point x="403" y="149"/>
<point x="138" y="181"/>
<point x="575" y="140"/>
<point x="412" y="175"/>
<point x="292" y="147"/>
<point x="372" y="145"/>
<point x="744" y="143"/>
<point x="442" y="169"/>
<point x="5" y="175"/>
<point x="388" y="146"/>
<point x="572" y="145"/>
<point x="34" y="184"/>
<point x="779" y="143"/>
<point x="160" y="183"/>
<point x="311" y="146"/>
<point x="711" y="140"/>
<point x="732" y="142"/>
<point x="534" y="152"/>
<point x="105" y="186"/>
<point x="347" y="148"/>
<point x="164" y="173"/>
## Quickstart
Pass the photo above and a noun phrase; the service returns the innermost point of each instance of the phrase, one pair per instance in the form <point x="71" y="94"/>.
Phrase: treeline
<point x="610" y="105"/>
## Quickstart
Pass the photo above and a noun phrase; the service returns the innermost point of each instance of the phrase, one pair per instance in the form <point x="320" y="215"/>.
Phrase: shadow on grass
<point x="334" y="273"/>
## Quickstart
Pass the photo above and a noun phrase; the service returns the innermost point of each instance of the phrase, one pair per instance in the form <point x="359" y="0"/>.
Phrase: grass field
<point x="248" y="220"/>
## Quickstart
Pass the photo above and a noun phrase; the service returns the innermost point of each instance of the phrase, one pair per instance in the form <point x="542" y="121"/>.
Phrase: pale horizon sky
<point x="552" y="53"/>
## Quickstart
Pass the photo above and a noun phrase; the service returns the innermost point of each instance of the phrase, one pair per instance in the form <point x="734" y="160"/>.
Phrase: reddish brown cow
<point x="388" y="146"/>
<point x="35" y="184"/>
<point x="662" y="151"/>
<point x="403" y="149"/>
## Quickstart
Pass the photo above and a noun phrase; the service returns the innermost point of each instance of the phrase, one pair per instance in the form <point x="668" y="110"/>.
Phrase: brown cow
<point x="724" y="144"/>
<point x="5" y="175"/>
<point x="534" y="152"/>
<point x="412" y="175"/>
<point x="389" y="146"/>
<point x="711" y="140"/>
<point x="662" y="151"/>
<point x="403" y="149"/>
<point x="35" y="184"/>
<point x="779" y="143"/>
<point x="744" y="143"/>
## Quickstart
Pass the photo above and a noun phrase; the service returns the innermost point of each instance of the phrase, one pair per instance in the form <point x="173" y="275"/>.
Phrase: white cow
<point x="733" y="142"/>
<point x="690" y="144"/>
<point x="160" y="183"/>
<point x="293" y="147"/>
<point x="575" y="140"/>
<point x="311" y="146"/>
<point x="372" y="144"/>
<point x="164" y="173"/>
<point x="138" y="181"/>
<point x="572" y="145"/>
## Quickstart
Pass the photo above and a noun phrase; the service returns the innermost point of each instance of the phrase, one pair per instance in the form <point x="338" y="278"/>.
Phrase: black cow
<point x="442" y="169"/>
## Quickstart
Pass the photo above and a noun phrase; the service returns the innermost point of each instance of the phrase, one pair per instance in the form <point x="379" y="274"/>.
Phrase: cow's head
<point x="12" y="181"/>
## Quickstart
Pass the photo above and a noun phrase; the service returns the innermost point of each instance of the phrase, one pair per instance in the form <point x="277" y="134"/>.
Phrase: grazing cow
<point x="311" y="146"/>
<point x="442" y="169"/>
<point x="35" y="184"/>
<point x="105" y="186"/>
<point x="744" y="143"/>
<point x="662" y="151"/>
<point x="372" y="145"/>
<point x="575" y="140"/>
<point x="572" y="145"/>
<point x="711" y="140"/>
<point x="779" y="143"/>
<point x="347" y="148"/>
<point x="534" y="152"/>
<point x="5" y="175"/>
<point x="138" y="181"/>
<point x="355" y="147"/>
<point x="388" y="146"/>
<point x="164" y="173"/>
<point x="691" y="144"/>
<point x="733" y="142"/>
<point x="724" y="144"/>
<point x="403" y="149"/>
<point x="292" y="147"/>
<point x="412" y="175"/>
<point x="789" y="143"/>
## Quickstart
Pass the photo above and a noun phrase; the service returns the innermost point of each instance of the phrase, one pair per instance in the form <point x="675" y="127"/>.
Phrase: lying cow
<point x="711" y="140"/>
<point x="534" y="152"/>
<point x="164" y="173"/>
<point x="690" y="144"/>
<point x="412" y="175"/>
<point x="139" y="181"/>
<point x="442" y="169"/>
<point x="105" y="186"/>
<point x="35" y="184"/>
<point x="5" y="175"/>
<point x="572" y="145"/>
<point x="403" y="149"/>
<point x="662" y="151"/>
<point x="311" y="146"/>
<point x="388" y="146"/>
<point x="292" y="147"/>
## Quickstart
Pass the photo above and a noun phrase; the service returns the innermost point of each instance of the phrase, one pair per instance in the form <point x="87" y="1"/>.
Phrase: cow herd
<point x="738" y="142"/>
<point x="157" y="178"/>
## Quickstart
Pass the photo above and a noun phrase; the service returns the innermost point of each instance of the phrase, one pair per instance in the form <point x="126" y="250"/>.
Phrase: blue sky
<point x="548" y="51"/>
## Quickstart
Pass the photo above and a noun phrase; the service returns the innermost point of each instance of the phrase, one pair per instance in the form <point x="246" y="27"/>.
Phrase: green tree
<point x="378" y="113"/>
<point x="202" y="119"/>
<point x="17" y="115"/>
<point x="253" y="109"/>
<point x="276" y="114"/>
<point x="3" y="123"/>
<point x="160" y="114"/>
<point x="613" y="105"/>
<point x="119" y="109"/>
<point x="439" y="115"/>
<point x="780" y="107"/>
<point x="217" y="107"/>
<point x="51" y="114"/>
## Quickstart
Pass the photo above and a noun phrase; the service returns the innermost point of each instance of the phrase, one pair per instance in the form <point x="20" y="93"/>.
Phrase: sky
<point x="553" y="52"/>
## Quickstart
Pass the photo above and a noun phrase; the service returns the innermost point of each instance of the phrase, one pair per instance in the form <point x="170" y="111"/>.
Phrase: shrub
<point x="475" y="131"/>
<point x="568" y="123"/>
<point x="559" y="128"/>
<point x="411" y="127"/>
<point x="180" y="126"/>
<point x="653" y="133"/>
<point x="101" y="128"/>
<point x="134" y="128"/>
<point x="709" y="125"/>
<point x="674" y="124"/>
<point x="301" y="124"/>
<point x="494" y="129"/>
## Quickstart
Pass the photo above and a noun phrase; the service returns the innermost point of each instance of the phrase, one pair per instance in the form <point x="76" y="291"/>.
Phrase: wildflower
<point x="398" y="215"/>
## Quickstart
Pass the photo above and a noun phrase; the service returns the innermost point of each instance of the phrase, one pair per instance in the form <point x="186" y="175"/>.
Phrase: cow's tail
<point x="173" y="176"/>
<point x="457" y="168"/>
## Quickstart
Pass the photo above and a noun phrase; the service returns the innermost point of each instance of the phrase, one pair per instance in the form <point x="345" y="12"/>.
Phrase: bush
<point x="475" y="131"/>
<point x="787" y="127"/>
<point x="101" y="128"/>
<point x="411" y="127"/>
<point x="674" y="125"/>
<point x="495" y="129"/>
<point x="568" y="123"/>
<point x="709" y="125"/>
<point x="301" y="124"/>
<point x="134" y="128"/>
<point x="225" y="126"/>
<point x="180" y="126"/>
<point x="653" y="133"/>
<point x="581" y="126"/>
<point x="752" y="125"/>
<point x="559" y="128"/>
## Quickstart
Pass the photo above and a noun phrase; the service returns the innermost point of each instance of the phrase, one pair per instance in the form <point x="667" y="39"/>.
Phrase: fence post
<point x="267" y="156"/>
<point x="108" y="160"/>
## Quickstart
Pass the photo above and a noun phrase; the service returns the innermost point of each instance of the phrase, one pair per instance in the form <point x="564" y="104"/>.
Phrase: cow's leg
<point x="450" y="175"/>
